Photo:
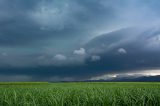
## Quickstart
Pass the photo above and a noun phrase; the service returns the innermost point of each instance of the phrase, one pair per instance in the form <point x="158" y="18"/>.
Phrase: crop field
<point x="80" y="94"/>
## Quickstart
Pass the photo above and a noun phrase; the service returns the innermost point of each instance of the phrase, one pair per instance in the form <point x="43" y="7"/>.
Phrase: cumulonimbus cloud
<point x="28" y="27"/>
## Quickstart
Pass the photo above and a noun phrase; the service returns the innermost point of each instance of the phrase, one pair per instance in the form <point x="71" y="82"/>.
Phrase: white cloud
<point x="122" y="51"/>
<point x="132" y="74"/>
<point x="60" y="57"/>
<point x="104" y="77"/>
<point x="95" y="58"/>
<point x="81" y="51"/>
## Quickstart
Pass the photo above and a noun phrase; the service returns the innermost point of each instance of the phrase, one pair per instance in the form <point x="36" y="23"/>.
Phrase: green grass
<point x="80" y="94"/>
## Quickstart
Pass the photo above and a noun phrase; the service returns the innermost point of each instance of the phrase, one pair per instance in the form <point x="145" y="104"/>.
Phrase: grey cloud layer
<point x="47" y="38"/>
<point x="113" y="52"/>
<point x="34" y="21"/>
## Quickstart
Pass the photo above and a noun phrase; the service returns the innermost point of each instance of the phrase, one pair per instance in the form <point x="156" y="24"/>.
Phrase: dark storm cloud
<point x="24" y="22"/>
<point x="119" y="54"/>
<point x="15" y="27"/>
<point x="126" y="50"/>
<point x="46" y="39"/>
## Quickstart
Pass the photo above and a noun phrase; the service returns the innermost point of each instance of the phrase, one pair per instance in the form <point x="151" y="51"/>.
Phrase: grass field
<point x="80" y="94"/>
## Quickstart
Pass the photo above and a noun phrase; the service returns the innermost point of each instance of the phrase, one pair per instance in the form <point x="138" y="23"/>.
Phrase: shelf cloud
<point x="55" y="40"/>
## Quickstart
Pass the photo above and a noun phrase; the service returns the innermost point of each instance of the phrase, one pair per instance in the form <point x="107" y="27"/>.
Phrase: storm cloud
<point x="52" y="40"/>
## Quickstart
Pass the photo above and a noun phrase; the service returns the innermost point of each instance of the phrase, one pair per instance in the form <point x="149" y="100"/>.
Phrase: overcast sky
<point x="55" y="40"/>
